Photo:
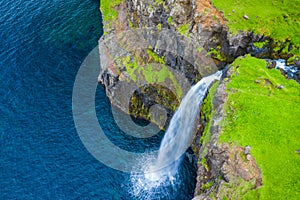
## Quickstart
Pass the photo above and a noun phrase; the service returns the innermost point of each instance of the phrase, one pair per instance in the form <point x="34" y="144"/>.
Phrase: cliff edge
<point x="152" y="51"/>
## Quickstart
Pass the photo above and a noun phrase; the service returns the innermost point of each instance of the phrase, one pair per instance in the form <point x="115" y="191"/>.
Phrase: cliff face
<point x="151" y="53"/>
<point x="224" y="170"/>
<point x="153" y="66"/>
<point x="209" y="44"/>
<point x="196" y="45"/>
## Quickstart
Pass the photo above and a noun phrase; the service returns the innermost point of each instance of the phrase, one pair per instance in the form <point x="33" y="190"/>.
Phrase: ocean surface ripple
<point x="42" y="46"/>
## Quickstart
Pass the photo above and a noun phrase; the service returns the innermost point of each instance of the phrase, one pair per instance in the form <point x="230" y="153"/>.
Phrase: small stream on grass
<point x="291" y="71"/>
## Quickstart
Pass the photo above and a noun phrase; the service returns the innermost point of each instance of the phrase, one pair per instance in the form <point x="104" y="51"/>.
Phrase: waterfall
<point x="180" y="131"/>
<point x="162" y="171"/>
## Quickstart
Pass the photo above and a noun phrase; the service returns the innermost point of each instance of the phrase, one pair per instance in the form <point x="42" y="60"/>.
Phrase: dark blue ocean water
<point x="42" y="44"/>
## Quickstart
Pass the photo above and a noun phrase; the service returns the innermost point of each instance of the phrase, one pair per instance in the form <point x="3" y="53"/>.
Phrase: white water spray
<point x="180" y="131"/>
<point x="176" y="140"/>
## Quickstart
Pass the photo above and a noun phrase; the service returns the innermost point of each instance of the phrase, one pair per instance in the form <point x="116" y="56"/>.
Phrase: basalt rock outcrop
<point x="136" y="52"/>
<point x="152" y="51"/>
<point x="134" y="36"/>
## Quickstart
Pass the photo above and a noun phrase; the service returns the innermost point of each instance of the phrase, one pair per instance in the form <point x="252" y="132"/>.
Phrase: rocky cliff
<point x="158" y="67"/>
<point x="132" y="40"/>
<point x="224" y="170"/>
<point x="152" y="51"/>
<point x="150" y="73"/>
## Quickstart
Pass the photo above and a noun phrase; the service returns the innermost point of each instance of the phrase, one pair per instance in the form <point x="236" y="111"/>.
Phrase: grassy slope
<point x="107" y="10"/>
<point x="267" y="119"/>
<point x="276" y="18"/>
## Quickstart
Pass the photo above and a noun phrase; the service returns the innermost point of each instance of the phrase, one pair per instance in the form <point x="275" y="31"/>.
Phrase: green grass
<point x="236" y="188"/>
<point x="266" y="118"/>
<point x="276" y="18"/>
<point x="107" y="9"/>
<point x="259" y="44"/>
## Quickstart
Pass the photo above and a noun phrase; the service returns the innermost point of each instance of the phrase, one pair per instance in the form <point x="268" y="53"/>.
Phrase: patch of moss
<point x="260" y="44"/>
<point x="184" y="29"/>
<point x="216" y="53"/>
<point x="150" y="8"/>
<point x="206" y="11"/>
<point x="159" y="27"/>
<point x="200" y="49"/>
<point x="237" y="188"/>
<point x="158" y="76"/>
<point x="292" y="60"/>
<point x="207" y="185"/>
<point x="170" y="18"/>
<point x="107" y="9"/>
<point x="154" y="94"/>
<point x="265" y="117"/>
<point x="130" y="63"/>
<point x="204" y="163"/>
<point x="153" y="71"/>
<point x="275" y="18"/>
<point x="130" y="23"/>
<point x="206" y="116"/>
<point x="153" y="57"/>
<point x="158" y="2"/>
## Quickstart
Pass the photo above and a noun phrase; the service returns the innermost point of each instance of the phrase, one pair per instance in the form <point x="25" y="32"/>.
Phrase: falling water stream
<point x="162" y="171"/>
<point x="43" y="46"/>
